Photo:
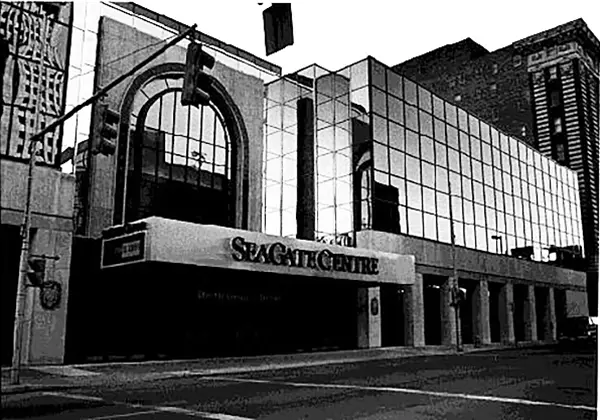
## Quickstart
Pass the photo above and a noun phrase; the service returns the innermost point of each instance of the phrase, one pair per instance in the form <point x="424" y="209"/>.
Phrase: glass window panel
<point x="378" y="74"/>
<point x="440" y="155"/>
<point x="452" y="137"/>
<point x="428" y="177"/>
<point x="443" y="204"/>
<point x="359" y="75"/>
<point x="453" y="160"/>
<point x="489" y="196"/>
<point x="475" y="148"/>
<point x="427" y="152"/>
<point x="500" y="221"/>
<point x="438" y="107"/>
<point x="411" y="117"/>
<point x="273" y="170"/>
<point x="474" y="126"/>
<point x="325" y="166"/>
<point x="415" y="223"/>
<point x="425" y="100"/>
<point x="508" y="203"/>
<point x="396" y="110"/>
<point x="413" y="171"/>
<point x="478" y="192"/>
<point x="488" y="175"/>
<point x="273" y="223"/>
<point x="380" y="153"/>
<point x="465" y="146"/>
<point x="273" y="196"/>
<point x="400" y="185"/>
<point x="403" y="219"/>
<point x="457" y="208"/>
<point x="394" y="83"/>
<point x="486" y="153"/>
<point x="479" y="215"/>
<point x="379" y="102"/>
<point x="380" y="129"/>
<point x="477" y="170"/>
<point x="382" y="177"/>
<point x="451" y="114"/>
<point x="289" y="197"/>
<point x="397" y="136"/>
<point x="326" y="191"/>
<point x="444" y="231"/>
<point x="469" y="215"/>
<point x="410" y="92"/>
<point x="465" y="165"/>
<point x="343" y="163"/>
<point x="360" y="100"/>
<point x="412" y="143"/>
<point x="440" y="130"/>
<point x="343" y="190"/>
<point x="441" y="179"/>
<point x="463" y="122"/>
<point x="490" y="215"/>
<point x="481" y="238"/>
<point x="397" y="162"/>
<point x="414" y="195"/>
<point x="470" y="236"/>
<point x="467" y="188"/>
<point x="430" y="226"/>
<point x="326" y="220"/>
<point x="507" y="185"/>
<point x="429" y="200"/>
<point x="426" y="123"/>
<point x="485" y="132"/>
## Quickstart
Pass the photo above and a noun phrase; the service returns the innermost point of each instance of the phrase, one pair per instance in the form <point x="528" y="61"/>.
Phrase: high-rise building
<point x="542" y="89"/>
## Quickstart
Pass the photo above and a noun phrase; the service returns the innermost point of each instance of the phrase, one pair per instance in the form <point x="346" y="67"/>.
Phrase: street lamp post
<point x="455" y="291"/>
<point x="498" y="238"/>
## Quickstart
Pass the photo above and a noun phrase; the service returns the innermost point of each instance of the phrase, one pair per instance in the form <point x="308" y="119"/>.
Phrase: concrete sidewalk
<point x="53" y="377"/>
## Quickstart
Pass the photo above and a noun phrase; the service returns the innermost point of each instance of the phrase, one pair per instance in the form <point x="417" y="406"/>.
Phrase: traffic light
<point x="278" y="27"/>
<point x="196" y="83"/>
<point x="106" y="125"/>
<point x="36" y="271"/>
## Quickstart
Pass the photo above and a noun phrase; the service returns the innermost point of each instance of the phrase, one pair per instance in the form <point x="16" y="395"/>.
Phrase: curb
<point x="120" y="378"/>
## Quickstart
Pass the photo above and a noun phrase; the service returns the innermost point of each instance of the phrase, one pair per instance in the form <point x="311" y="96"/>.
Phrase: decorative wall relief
<point x="34" y="54"/>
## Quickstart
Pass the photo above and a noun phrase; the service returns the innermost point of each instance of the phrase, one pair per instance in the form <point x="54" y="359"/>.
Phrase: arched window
<point x="179" y="162"/>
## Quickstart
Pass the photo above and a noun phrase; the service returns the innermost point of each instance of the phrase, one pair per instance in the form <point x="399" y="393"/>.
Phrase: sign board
<point x="121" y="250"/>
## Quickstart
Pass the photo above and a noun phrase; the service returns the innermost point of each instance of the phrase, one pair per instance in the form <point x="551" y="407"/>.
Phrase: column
<point x="448" y="314"/>
<point x="305" y="209"/>
<point x="505" y="309"/>
<point x="481" y="313"/>
<point x="530" y="316"/>
<point x="549" y="316"/>
<point x="414" y="313"/>
<point x="369" y="317"/>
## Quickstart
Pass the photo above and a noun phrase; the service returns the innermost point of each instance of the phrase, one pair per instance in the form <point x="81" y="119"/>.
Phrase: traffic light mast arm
<point x="112" y="84"/>
<point x="26" y="225"/>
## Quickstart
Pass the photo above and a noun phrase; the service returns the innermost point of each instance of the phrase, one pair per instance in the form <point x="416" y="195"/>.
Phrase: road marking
<point x="116" y="416"/>
<point x="151" y="408"/>
<point x="488" y="398"/>
<point x="73" y="396"/>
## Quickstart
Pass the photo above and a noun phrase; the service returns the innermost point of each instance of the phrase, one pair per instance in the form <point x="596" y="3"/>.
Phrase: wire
<point x="125" y="56"/>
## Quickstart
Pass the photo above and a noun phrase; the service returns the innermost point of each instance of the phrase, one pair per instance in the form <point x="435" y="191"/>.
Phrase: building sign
<point x="123" y="249"/>
<point x="279" y="254"/>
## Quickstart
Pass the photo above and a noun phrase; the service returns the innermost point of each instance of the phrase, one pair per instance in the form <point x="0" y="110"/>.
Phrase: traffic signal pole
<point x="26" y="225"/>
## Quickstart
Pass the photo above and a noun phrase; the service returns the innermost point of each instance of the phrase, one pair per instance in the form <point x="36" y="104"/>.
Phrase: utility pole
<point x="26" y="225"/>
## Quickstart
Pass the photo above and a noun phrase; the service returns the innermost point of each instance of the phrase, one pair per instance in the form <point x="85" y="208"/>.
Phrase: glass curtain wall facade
<point x="419" y="163"/>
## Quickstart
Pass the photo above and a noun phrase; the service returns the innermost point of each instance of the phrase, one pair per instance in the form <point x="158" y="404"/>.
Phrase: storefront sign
<point x="123" y="249"/>
<point x="280" y="254"/>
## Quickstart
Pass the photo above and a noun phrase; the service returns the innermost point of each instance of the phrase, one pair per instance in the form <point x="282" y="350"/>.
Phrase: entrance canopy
<point x="156" y="239"/>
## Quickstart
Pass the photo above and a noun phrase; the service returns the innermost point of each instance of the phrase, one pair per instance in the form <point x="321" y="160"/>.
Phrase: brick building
<point x="542" y="89"/>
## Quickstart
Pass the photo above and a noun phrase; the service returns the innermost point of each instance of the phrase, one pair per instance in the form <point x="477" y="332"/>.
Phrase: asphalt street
<point x="515" y="384"/>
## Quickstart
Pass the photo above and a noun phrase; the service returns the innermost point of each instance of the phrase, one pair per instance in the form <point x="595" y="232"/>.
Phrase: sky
<point x="334" y="34"/>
